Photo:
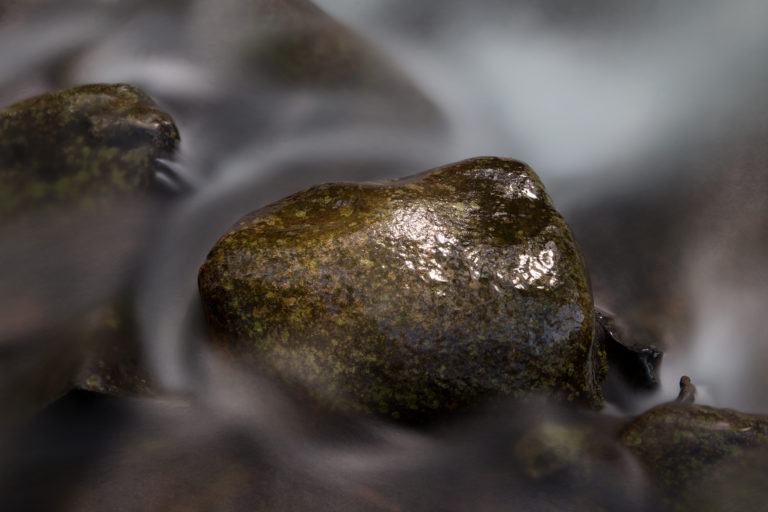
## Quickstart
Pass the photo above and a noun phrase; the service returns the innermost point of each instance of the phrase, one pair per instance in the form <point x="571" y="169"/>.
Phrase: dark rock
<point x="632" y="366"/>
<point x="687" y="391"/>
<point x="681" y="444"/>
<point x="735" y="484"/>
<point x="82" y="146"/>
<point x="410" y="296"/>
<point x="63" y="271"/>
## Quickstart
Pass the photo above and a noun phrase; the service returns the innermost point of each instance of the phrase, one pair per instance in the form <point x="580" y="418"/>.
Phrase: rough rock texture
<point x="410" y="296"/>
<point x="80" y="146"/>
<point x="686" y="444"/>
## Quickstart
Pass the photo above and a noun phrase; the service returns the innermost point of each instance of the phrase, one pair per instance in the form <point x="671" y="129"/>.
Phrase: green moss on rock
<point x="80" y="146"/>
<point x="686" y="444"/>
<point x="410" y="296"/>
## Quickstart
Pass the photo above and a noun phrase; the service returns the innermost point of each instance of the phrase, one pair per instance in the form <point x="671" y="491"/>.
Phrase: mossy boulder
<point x="684" y="445"/>
<point x="411" y="296"/>
<point x="81" y="146"/>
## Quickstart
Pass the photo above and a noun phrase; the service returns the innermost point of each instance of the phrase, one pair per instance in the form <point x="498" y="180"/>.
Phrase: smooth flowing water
<point x="647" y="123"/>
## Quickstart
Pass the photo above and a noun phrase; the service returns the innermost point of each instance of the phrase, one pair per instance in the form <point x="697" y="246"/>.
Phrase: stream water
<point x="647" y="123"/>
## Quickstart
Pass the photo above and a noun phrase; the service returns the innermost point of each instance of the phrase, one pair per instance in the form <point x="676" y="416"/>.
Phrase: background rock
<point x="81" y="147"/>
<point x="685" y="445"/>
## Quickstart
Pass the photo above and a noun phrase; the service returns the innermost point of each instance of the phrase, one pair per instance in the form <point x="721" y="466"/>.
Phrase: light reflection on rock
<point x="409" y="297"/>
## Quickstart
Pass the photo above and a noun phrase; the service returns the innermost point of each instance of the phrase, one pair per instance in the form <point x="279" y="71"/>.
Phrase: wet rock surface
<point x="410" y="296"/>
<point x="633" y="368"/>
<point x="84" y="146"/>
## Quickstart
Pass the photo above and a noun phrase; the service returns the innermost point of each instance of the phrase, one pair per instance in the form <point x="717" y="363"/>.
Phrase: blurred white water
<point x="588" y="91"/>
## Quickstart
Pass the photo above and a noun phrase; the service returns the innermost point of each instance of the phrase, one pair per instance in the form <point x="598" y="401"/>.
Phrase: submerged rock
<point x="113" y="361"/>
<point x="411" y="296"/>
<point x="81" y="146"/>
<point x="577" y="460"/>
<point x="682" y="444"/>
<point x="737" y="483"/>
<point x="79" y="171"/>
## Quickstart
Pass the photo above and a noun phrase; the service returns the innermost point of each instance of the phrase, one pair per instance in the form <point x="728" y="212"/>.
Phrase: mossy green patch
<point x="683" y="444"/>
<point x="81" y="146"/>
<point x="403" y="301"/>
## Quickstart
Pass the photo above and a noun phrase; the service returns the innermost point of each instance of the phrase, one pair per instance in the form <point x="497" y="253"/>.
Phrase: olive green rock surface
<point x="81" y="146"/>
<point x="684" y="445"/>
<point x="410" y="296"/>
<point x="737" y="483"/>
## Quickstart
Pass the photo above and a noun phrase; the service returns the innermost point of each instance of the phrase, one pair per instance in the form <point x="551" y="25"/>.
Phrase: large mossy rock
<point x="410" y="296"/>
<point x="82" y="146"/>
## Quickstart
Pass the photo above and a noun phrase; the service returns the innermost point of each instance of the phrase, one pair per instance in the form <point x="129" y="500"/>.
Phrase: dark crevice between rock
<point x="632" y="366"/>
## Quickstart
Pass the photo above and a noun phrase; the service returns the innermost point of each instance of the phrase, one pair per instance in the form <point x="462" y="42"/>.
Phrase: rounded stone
<point x="411" y="296"/>
<point x="684" y="444"/>
<point x="82" y="146"/>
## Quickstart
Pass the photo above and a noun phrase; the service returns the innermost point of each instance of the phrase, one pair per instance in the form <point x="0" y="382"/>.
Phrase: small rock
<point x="687" y="391"/>
<point x="632" y="365"/>
<point x="682" y="443"/>
<point x="81" y="146"/>
<point x="412" y="296"/>
<point x="113" y="361"/>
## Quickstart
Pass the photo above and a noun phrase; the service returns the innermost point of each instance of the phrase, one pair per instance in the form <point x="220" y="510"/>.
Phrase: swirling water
<point x="646" y="123"/>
